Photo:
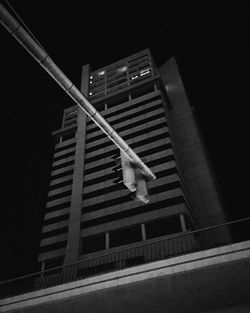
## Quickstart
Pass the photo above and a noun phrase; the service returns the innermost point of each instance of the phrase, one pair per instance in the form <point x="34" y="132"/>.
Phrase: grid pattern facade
<point x="121" y="74"/>
<point x="86" y="213"/>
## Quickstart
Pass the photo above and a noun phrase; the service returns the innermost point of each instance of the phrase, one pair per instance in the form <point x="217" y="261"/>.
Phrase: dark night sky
<point x="210" y="45"/>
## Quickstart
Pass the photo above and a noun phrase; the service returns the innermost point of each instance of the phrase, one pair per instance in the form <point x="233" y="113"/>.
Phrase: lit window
<point x="122" y="69"/>
<point x="145" y="71"/>
<point x="134" y="77"/>
<point x="101" y="73"/>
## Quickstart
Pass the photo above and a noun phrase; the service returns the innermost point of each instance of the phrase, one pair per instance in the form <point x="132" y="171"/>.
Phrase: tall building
<point x="104" y="251"/>
<point x="87" y="215"/>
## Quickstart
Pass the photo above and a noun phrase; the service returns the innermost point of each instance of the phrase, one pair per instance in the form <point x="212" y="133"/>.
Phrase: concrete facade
<point x="86" y="213"/>
<point x="191" y="150"/>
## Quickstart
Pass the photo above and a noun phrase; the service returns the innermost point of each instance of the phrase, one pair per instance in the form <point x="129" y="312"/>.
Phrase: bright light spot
<point x="90" y="93"/>
<point x="122" y="69"/>
<point x="134" y="77"/>
<point x="91" y="82"/>
<point x="145" y="71"/>
<point x="91" y="77"/>
<point x="101" y="73"/>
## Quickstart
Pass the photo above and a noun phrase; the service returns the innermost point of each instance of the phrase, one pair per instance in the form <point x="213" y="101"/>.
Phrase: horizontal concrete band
<point x="185" y="263"/>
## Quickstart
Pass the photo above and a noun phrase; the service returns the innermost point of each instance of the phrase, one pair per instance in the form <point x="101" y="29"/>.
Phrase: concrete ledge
<point x="184" y="263"/>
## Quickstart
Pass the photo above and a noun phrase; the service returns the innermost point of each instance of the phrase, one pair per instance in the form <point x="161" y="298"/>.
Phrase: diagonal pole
<point x="42" y="57"/>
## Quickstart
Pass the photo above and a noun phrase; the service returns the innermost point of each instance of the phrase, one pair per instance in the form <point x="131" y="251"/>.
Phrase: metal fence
<point x="146" y="252"/>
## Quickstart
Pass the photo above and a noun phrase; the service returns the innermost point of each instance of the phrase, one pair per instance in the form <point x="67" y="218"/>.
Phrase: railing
<point x="148" y="251"/>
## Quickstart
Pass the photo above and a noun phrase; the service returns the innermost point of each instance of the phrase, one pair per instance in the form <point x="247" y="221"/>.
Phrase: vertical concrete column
<point x="42" y="268"/>
<point x="73" y="245"/>
<point x="107" y="241"/>
<point x="183" y="222"/>
<point x="143" y="232"/>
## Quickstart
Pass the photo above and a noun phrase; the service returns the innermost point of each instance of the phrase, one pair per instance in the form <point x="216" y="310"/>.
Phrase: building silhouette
<point x="87" y="214"/>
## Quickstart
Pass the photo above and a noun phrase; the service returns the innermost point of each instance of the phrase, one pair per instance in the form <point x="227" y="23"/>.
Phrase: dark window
<point x="132" y="135"/>
<point x="66" y="173"/>
<point x="131" y="107"/>
<point x="60" y="195"/>
<point x="62" y="165"/>
<point x="114" y="187"/>
<point x="162" y="160"/>
<point x="140" y="122"/>
<point x="93" y="243"/>
<point x="108" y="153"/>
<point x="163" y="227"/>
<point x="68" y="136"/>
<point x="138" y="113"/>
<point x="55" y="232"/>
<point x="58" y="207"/>
<point x="140" y="210"/>
<point x="98" y="168"/>
<point x="63" y="156"/>
<point x="117" y="101"/>
<point x="70" y="123"/>
<point x="62" y="184"/>
<point x="134" y="114"/>
<point x="141" y="92"/>
<point x="50" y="263"/>
<point x="71" y="145"/>
<point x="125" y="236"/>
<point x="149" y="140"/>
<point x="56" y="219"/>
<point x="99" y="179"/>
<point x="53" y="246"/>
<point x="155" y="150"/>
<point x="165" y="187"/>
<point x="102" y="191"/>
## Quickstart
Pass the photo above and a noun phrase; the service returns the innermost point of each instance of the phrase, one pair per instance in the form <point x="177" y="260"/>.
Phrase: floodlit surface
<point x="196" y="282"/>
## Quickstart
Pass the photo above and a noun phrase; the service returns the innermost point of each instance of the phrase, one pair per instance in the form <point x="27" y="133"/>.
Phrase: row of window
<point x="61" y="175"/>
<point x="62" y="184"/>
<point x="129" y="74"/>
<point x="64" y="156"/>
<point x="132" y="234"/>
<point x="70" y="114"/>
<point x="130" y="136"/>
<point x="136" y="211"/>
<point x="99" y="135"/>
<point x="62" y="165"/>
<point x="119" y="67"/>
<point x="151" y="151"/>
<point x="120" y="129"/>
<point x="65" y="147"/>
<point x="119" y="237"/>
<point x="137" y="78"/>
<point x="128" y="107"/>
<point x="132" y="145"/>
<point x="116" y="201"/>
<point x="114" y="187"/>
<point x="104" y="81"/>
<point x="111" y="163"/>
<point x="126" y="198"/>
<point x="59" y="195"/>
<point x="58" y="207"/>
